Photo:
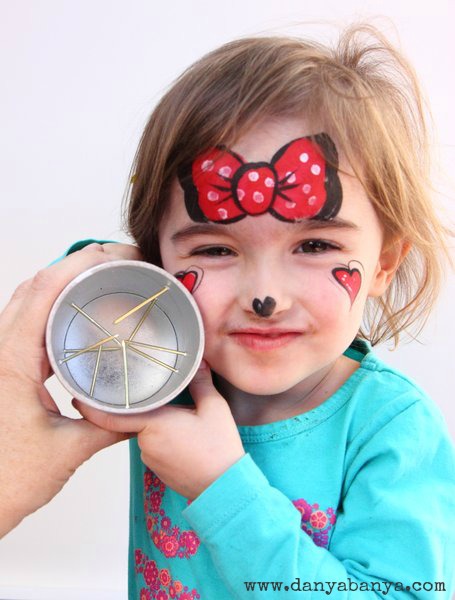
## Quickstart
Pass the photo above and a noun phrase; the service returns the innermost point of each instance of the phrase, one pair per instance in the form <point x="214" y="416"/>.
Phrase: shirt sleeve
<point x="394" y="528"/>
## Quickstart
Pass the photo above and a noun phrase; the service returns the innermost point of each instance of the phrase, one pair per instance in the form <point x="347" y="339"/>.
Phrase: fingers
<point x="91" y="439"/>
<point x="202" y="390"/>
<point x="33" y="300"/>
<point x="48" y="402"/>
<point x="9" y="313"/>
<point x="112" y="422"/>
<point x="202" y="381"/>
<point x="122" y="252"/>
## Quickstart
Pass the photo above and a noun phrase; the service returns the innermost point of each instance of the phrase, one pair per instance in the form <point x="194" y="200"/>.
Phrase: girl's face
<point x="280" y="300"/>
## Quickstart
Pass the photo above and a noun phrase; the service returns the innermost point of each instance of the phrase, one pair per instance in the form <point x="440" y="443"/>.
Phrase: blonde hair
<point x="362" y="92"/>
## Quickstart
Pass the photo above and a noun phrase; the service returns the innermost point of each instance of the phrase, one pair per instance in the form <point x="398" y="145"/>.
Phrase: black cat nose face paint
<point x="265" y="308"/>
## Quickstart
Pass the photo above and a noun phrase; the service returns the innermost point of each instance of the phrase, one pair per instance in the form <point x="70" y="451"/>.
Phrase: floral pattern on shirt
<point x="172" y="542"/>
<point x="176" y="543"/>
<point x="315" y="522"/>
<point x="159" y="583"/>
<point x="168" y="538"/>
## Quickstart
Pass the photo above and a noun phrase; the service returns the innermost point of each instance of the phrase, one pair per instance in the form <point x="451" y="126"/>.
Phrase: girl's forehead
<point x="263" y="139"/>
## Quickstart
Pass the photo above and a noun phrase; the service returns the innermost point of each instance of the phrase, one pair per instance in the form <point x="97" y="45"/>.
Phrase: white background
<point x="78" y="80"/>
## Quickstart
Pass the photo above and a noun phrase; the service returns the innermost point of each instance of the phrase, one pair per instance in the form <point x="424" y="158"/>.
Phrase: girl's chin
<point x="261" y="385"/>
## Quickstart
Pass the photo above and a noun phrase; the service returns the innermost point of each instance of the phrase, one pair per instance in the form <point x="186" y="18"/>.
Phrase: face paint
<point x="266" y="308"/>
<point x="297" y="184"/>
<point x="191" y="278"/>
<point x="349" y="279"/>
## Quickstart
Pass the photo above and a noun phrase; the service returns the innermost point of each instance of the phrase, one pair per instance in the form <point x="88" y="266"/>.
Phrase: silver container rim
<point x="88" y="273"/>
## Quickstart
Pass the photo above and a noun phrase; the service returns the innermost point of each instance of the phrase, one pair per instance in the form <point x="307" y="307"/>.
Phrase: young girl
<point x="287" y="182"/>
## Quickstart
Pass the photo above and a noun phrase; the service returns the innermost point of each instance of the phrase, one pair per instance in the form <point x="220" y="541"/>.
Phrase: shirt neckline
<point x="359" y="350"/>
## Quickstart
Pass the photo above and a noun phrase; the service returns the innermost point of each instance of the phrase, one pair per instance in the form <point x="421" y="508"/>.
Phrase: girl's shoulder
<point x="385" y="404"/>
<point x="377" y="379"/>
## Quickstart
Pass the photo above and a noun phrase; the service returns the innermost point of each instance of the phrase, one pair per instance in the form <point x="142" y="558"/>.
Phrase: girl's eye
<point x="316" y="247"/>
<point x="213" y="251"/>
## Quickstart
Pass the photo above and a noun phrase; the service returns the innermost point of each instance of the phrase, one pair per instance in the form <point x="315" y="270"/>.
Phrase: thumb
<point x="111" y="422"/>
<point x="202" y="389"/>
<point x="90" y="438"/>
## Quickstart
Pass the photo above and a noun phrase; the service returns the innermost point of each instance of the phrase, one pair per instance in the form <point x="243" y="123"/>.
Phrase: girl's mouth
<point x="264" y="339"/>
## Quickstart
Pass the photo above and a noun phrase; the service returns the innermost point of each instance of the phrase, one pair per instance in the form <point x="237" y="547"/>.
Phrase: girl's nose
<point x="266" y="290"/>
<point x="264" y="308"/>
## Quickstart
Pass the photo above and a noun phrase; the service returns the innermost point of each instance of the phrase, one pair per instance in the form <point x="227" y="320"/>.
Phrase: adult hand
<point x="187" y="448"/>
<point x="39" y="447"/>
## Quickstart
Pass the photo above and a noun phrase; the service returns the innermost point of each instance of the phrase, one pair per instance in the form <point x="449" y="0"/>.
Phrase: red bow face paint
<point x="349" y="279"/>
<point x="298" y="183"/>
<point x="191" y="278"/>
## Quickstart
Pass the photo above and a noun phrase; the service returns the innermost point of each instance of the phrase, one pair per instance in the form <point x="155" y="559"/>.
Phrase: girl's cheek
<point x="333" y="291"/>
<point x="191" y="277"/>
<point x="205" y="286"/>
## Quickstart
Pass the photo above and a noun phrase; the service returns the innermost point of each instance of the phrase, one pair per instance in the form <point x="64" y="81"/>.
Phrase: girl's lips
<point x="267" y="340"/>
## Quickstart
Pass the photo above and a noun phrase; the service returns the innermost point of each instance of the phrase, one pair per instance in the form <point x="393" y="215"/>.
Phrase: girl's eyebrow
<point x="335" y="223"/>
<point x="306" y="225"/>
<point x="191" y="231"/>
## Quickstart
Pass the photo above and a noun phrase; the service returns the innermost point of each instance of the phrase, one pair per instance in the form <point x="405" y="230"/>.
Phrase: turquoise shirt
<point x="359" y="491"/>
<point x="353" y="499"/>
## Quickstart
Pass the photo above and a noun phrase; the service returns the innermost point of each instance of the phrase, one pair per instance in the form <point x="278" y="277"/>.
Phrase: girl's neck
<point x="250" y="409"/>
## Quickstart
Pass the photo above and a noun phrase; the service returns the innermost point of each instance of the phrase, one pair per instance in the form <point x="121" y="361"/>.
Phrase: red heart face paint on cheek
<point x="190" y="278"/>
<point x="350" y="279"/>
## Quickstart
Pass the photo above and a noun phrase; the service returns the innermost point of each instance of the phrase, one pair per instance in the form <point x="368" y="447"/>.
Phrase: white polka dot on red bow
<point x="258" y="197"/>
<point x="315" y="169"/>
<point x="304" y="157"/>
<point x="223" y="213"/>
<point x="240" y="194"/>
<point x="212" y="196"/>
<point x="225" y="171"/>
<point x="253" y="176"/>
<point x="207" y="165"/>
<point x="306" y="189"/>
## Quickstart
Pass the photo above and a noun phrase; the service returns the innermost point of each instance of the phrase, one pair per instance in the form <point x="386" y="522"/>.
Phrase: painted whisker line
<point x="129" y="342"/>
<point x="155" y="360"/>
<point x="82" y="312"/>
<point x="108" y="339"/>
<point x="139" y="306"/>
<point x="141" y="322"/>
<point x="95" y="373"/>
<point x="125" y="370"/>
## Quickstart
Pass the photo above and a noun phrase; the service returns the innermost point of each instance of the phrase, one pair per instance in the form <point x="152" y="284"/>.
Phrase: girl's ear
<point x="392" y="255"/>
